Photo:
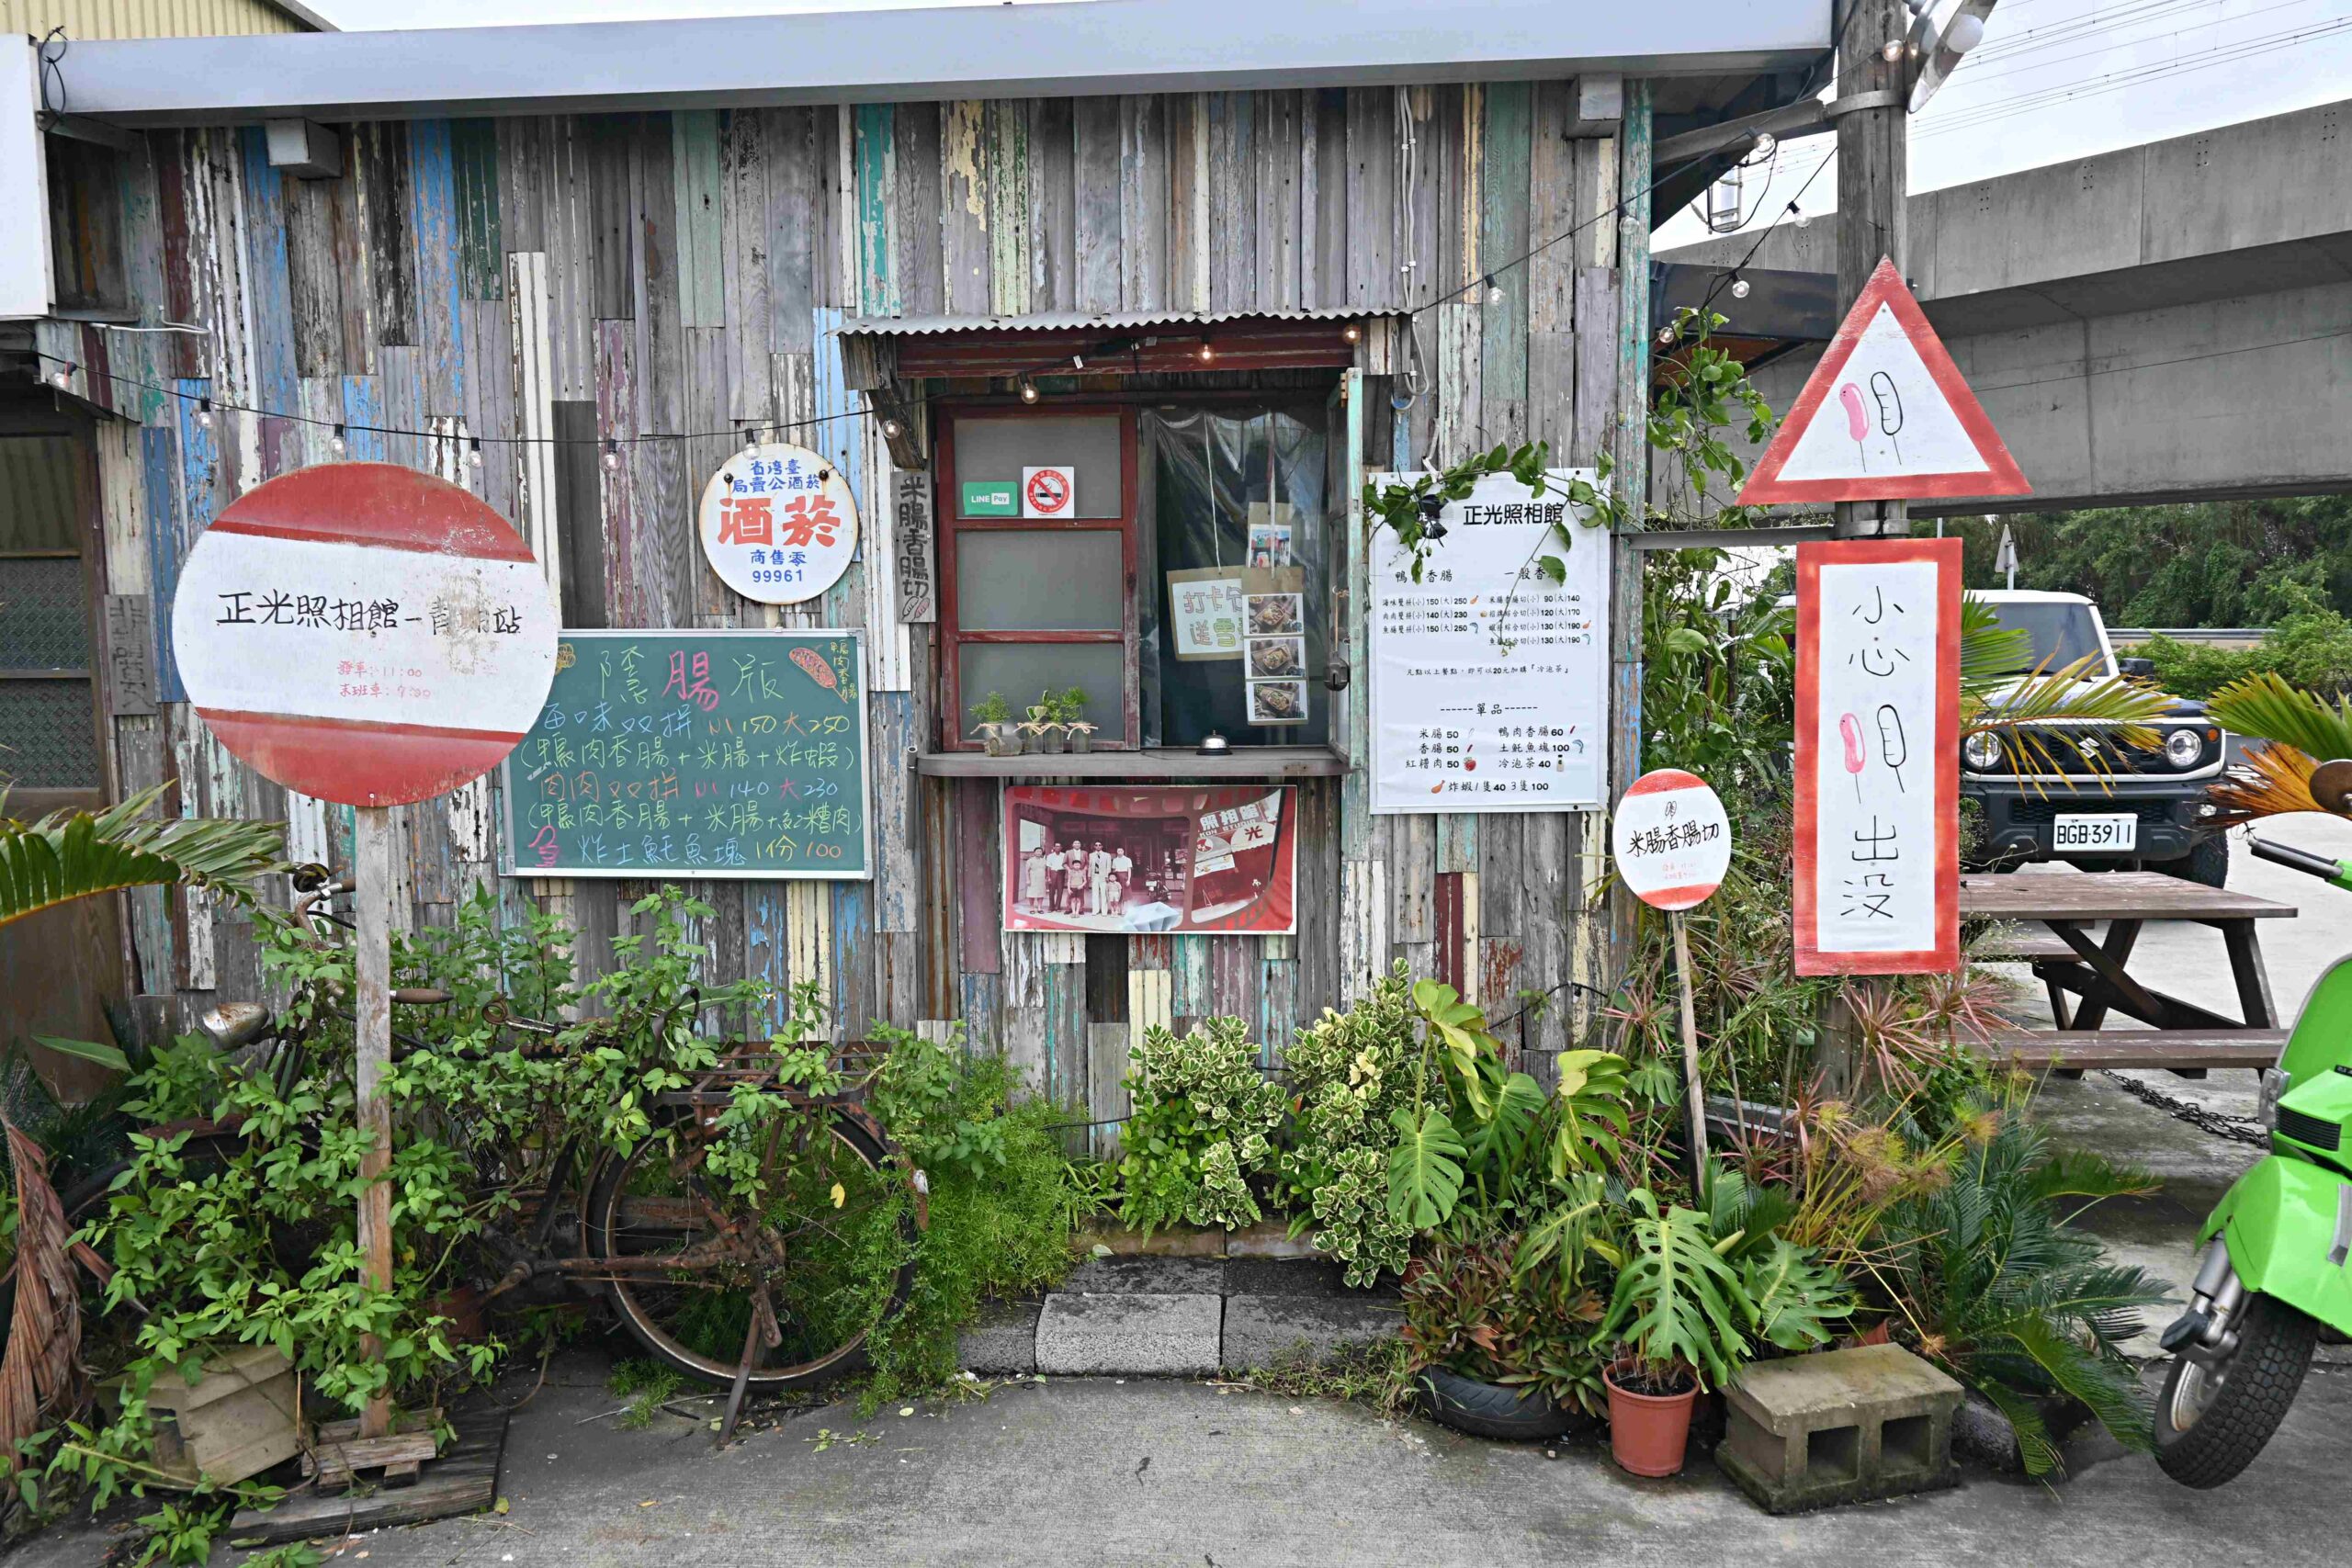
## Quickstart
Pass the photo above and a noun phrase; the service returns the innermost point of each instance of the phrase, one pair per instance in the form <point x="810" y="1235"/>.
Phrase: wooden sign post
<point x="1672" y="843"/>
<point x="371" y="636"/>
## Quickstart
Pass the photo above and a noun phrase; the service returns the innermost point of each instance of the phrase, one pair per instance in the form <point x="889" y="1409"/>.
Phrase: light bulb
<point x="1352" y="332"/>
<point x="203" y="413"/>
<point x="64" y="378"/>
<point x="892" y="429"/>
<point x="1625" y="224"/>
<point x="1893" y="51"/>
<point x="1797" y="215"/>
<point x="1208" y="350"/>
<point x="1738" y="286"/>
<point x="1965" y="33"/>
<point x="1666" y="337"/>
<point x="473" y="453"/>
<point x="612" y="456"/>
<point x="1494" y="291"/>
<point x="337" y="444"/>
<point x="1766" y="145"/>
<point x="750" y="442"/>
<point x="1029" y="388"/>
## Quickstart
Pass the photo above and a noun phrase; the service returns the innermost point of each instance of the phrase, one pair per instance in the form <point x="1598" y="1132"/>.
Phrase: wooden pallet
<point x="2177" y="1050"/>
<point x="464" y="1479"/>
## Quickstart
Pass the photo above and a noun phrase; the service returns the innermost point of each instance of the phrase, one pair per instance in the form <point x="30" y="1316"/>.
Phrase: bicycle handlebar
<point x="2303" y="860"/>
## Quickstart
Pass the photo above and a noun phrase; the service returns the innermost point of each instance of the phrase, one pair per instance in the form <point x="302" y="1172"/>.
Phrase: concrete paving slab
<point x="1156" y="1275"/>
<point x="1290" y="1277"/>
<point x="1132" y="1334"/>
<point x="1002" y="1341"/>
<point x="1260" y="1330"/>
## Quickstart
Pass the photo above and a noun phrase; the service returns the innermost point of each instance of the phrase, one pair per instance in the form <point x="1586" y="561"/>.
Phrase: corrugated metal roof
<point x="93" y="20"/>
<point x="1080" y="321"/>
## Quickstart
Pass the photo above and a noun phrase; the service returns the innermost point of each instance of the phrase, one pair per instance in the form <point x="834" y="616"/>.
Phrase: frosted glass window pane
<point x="1022" y="669"/>
<point x="1040" y="579"/>
<point x="996" y="450"/>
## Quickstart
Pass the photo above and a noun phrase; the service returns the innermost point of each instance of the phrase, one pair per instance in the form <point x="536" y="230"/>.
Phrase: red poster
<point x="1878" y="757"/>
<point x="1146" y="860"/>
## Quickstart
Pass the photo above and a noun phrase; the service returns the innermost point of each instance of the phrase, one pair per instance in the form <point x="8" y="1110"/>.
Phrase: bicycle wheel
<point x="830" y="1245"/>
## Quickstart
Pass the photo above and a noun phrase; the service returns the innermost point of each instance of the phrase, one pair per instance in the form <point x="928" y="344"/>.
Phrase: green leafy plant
<point x="647" y="1385"/>
<point x="992" y="709"/>
<point x="78" y="854"/>
<point x="1991" y="1281"/>
<point x="1475" y="1307"/>
<point x="1678" y="1310"/>
<point x="1204" y="1118"/>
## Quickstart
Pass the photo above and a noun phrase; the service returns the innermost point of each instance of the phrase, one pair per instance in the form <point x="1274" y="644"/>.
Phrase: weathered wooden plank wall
<point x="480" y="286"/>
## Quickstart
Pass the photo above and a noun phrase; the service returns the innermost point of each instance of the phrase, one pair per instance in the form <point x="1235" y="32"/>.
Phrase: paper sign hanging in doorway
<point x="1886" y="416"/>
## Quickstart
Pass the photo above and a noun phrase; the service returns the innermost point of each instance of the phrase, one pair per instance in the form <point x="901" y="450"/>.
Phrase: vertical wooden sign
<point x="911" y="517"/>
<point x="1878" y="757"/>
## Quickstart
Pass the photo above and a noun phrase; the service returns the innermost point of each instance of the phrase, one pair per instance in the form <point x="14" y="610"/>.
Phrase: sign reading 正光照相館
<point x="1489" y="681"/>
<point x="1877" y="757"/>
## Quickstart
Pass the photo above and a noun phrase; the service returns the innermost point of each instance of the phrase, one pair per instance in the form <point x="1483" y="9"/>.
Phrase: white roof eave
<point x="960" y="51"/>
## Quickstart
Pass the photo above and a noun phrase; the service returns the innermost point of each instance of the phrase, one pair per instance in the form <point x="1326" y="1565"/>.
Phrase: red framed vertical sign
<point x="1878" y="757"/>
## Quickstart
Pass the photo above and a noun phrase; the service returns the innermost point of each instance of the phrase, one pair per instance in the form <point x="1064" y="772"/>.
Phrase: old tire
<point x="2206" y="1435"/>
<point x="1493" y="1410"/>
<point x="2207" y="861"/>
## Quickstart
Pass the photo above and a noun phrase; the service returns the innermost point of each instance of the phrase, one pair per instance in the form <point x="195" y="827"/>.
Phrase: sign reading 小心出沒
<point x="1489" y="681"/>
<point x="731" y="754"/>
<point x="779" y="524"/>
<point x="1878" y="757"/>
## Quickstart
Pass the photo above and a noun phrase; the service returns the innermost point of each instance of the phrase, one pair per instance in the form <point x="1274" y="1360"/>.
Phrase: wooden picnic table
<point x="2087" y="981"/>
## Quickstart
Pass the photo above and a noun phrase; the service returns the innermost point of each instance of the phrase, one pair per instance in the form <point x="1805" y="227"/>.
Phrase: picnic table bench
<point x="2085" y="979"/>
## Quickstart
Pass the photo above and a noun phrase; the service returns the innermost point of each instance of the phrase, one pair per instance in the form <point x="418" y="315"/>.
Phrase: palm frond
<point x="74" y="855"/>
<point x="2274" y="780"/>
<point x="2265" y="708"/>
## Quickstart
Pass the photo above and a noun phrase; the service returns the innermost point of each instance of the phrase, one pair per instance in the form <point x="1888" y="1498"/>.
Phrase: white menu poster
<point x="1489" y="681"/>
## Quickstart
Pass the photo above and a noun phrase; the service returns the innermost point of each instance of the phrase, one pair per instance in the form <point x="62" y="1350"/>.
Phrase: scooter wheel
<point x="2215" y="1417"/>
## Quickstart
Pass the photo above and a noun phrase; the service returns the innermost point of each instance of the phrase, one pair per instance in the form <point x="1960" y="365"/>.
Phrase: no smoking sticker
<point x="1048" y="492"/>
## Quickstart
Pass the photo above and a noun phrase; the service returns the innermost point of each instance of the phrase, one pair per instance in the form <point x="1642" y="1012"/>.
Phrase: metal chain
<point x="2237" y="1129"/>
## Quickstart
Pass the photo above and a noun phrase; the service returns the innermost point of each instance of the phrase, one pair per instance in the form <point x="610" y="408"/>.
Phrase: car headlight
<point x="2183" y="748"/>
<point x="1982" y="751"/>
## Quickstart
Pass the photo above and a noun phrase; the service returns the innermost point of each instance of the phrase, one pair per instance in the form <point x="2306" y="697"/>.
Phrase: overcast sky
<point x="2053" y="80"/>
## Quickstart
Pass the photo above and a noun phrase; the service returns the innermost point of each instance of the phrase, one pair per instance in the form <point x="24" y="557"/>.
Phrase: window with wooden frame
<point x="1036" y="604"/>
<point x="1185" y="591"/>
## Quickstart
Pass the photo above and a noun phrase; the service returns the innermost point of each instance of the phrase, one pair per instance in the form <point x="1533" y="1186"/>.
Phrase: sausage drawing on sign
<point x="1889" y="410"/>
<point x="1858" y="424"/>
<point x="813" y="662"/>
<point x="1892" y="749"/>
<point x="1849" y="730"/>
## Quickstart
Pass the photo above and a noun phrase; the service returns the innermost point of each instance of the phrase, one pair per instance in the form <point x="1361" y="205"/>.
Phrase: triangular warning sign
<point x="1886" y="416"/>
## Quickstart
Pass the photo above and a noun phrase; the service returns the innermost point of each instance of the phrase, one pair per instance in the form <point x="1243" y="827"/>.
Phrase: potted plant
<point x="1080" y="735"/>
<point x="1069" y="707"/>
<point x="1500" y="1338"/>
<point x="1676" y="1321"/>
<point x="992" y="722"/>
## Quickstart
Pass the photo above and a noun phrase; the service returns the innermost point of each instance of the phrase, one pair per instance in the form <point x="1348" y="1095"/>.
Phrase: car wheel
<point x="2208" y="861"/>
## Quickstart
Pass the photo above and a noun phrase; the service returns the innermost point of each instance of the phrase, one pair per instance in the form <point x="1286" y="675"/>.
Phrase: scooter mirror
<point x="232" y="1024"/>
<point x="2332" y="785"/>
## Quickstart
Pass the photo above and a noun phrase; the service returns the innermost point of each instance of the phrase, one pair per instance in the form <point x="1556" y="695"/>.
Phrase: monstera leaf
<point x="1461" y="1028"/>
<point x="75" y="854"/>
<point x="1425" y="1169"/>
<point x="1592" y="1110"/>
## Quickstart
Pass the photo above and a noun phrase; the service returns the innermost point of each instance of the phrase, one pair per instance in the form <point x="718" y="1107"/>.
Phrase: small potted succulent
<point x="992" y="722"/>
<point x="1069" y="707"/>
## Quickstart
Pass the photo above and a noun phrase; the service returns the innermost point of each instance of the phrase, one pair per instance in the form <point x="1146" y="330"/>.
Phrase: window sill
<point x="1243" y="762"/>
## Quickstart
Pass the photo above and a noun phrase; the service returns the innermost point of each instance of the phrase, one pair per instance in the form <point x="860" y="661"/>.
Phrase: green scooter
<point x="2280" y="1263"/>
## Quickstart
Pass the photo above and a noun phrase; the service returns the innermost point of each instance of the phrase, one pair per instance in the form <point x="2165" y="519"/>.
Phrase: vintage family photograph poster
<point x="1149" y="860"/>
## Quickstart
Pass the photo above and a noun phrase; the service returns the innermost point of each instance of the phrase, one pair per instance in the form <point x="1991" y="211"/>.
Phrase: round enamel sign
<point x="364" y="633"/>
<point x="1671" y="840"/>
<point x="779" y="524"/>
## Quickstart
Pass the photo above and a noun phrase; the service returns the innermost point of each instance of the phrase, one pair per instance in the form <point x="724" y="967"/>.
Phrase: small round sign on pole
<point x="779" y="524"/>
<point x="370" y="636"/>
<point x="1672" y="843"/>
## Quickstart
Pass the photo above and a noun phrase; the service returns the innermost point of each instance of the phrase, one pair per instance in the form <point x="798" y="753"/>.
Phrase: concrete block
<point x="1294" y="1277"/>
<point x="1002" y="1341"/>
<point x="1261" y="1330"/>
<point x="1269" y="1239"/>
<point x="1133" y="1334"/>
<point x="1152" y="1276"/>
<point x="1841" y="1426"/>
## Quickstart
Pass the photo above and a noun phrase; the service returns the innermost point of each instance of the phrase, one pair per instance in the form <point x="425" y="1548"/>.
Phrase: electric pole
<point x="1872" y="115"/>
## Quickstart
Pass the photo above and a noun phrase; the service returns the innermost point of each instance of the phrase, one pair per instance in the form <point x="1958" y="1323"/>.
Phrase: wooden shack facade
<point x="597" y="280"/>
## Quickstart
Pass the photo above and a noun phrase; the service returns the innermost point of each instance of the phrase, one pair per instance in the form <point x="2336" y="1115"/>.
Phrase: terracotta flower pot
<point x="1648" y="1433"/>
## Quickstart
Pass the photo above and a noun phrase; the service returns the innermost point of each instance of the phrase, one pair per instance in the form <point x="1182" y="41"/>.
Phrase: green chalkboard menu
<point x="729" y="754"/>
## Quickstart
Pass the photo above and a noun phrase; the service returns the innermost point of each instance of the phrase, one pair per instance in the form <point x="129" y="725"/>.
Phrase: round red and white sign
<point x="779" y="524"/>
<point x="365" y="633"/>
<point x="1046" y="492"/>
<point x="1671" y="839"/>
